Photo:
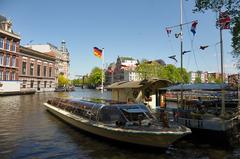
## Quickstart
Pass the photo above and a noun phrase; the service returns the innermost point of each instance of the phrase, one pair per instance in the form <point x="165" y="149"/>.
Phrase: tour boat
<point x="129" y="123"/>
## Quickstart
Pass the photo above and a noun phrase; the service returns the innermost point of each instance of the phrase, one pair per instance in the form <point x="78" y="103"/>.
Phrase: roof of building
<point x="122" y="58"/>
<point x="32" y="52"/>
<point x="140" y="84"/>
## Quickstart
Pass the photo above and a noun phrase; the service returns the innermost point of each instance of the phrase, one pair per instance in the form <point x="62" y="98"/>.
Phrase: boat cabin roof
<point x="98" y="103"/>
<point x="199" y="86"/>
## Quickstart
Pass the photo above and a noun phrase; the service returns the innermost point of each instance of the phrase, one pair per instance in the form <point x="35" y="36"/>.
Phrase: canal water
<point x="28" y="131"/>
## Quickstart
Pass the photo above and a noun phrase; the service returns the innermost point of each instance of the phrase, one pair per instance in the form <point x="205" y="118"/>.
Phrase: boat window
<point x="110" y="114"/>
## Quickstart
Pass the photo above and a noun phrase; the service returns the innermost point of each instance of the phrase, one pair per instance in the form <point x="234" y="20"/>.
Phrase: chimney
<point x="63" y="46"/>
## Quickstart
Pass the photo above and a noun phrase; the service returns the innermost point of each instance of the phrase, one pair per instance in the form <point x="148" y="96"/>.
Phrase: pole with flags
<point x="102" y="69"/>
<point x="100" y="54"/>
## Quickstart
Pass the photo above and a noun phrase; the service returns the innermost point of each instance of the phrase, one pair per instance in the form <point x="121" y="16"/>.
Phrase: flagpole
<point x="222" y="69"/>
<point x="181" y="48"/>
<point x="102" y="69"/>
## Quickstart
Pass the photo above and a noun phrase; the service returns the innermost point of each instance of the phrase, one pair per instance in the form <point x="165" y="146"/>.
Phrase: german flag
<point x="97" y="52"/>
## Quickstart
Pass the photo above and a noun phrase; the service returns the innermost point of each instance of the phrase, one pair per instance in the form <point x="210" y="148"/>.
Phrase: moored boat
<point x="201" y="111"/>
<point x="130" y="123"/>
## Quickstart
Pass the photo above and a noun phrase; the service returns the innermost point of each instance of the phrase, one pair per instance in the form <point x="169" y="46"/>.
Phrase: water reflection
<point x="27" y="130"/>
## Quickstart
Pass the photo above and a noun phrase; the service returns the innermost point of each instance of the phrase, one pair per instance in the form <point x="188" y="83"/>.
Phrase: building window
<point x="44" y="71"/>
<point x="24" y="83"/>
<point x="1" y="43"/>
<point x="1" y="75"/>
<point x="14" y="46"/>
<point x="50" y="85"/>
<point x="8" y="45"/>
<point x="38" y="70"/>
<point x="7" y="75"/>
<point x="13" y="76"/>
<point x="31" y="69"/>
<point x="38" y="85"/>
<point x="7" y="60"/>
<point x="13" y="61"/>
<point x="1" y="59"/>
<point x="32" y="83"/>
<point x="24" y="68"/>
<point x="50" y="71"/>
<point x="45" y="84"/>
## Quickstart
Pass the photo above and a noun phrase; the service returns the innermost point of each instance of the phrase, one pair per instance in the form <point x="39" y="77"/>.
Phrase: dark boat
<point x="131" y="123"/>
<point x="201" y="110"/>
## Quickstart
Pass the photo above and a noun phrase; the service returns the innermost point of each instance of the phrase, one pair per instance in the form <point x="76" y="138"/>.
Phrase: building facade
<point x="206" y="77"/>
<point x="109" y="74"/>
<point x="9" y="54"/>
<point x="123" y="70"/>
<point x="36" y="70"/>
<point x="61" y="55"/>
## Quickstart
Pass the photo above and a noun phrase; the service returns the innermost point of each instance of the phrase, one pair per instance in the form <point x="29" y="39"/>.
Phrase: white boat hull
<point x="147" y="138"/>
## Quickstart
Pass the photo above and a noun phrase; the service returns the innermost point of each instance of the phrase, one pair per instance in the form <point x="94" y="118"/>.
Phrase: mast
<point x="181" y="48"/>
<point x="222" y="71"/>
<point x="102" y="70"/>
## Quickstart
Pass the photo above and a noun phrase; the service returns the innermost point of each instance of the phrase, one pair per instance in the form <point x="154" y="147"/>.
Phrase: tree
<point x="233" y="8"/>
<point x="198" y="80"/>
<point x="155" y="70"/>
<point x="76" y="82"/>
<point x="62" y="81"/>
<point x="185" y="75"/>
<point x="149" y="70"/>
<point x="95" y="77"/>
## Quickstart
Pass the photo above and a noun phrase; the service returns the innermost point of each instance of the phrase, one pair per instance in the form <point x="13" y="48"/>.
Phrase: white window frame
<point x="7" y="60"/>
<point x="13" y="61"/>
<point x="14" y="46"/>
<point x="7" y="75"/>
<point x="13" y="76"/>
<point x="1" y="59"/>
<point x="8" y="45"/>
<point x="2" y="41"/>
<point x="1" y="75"/>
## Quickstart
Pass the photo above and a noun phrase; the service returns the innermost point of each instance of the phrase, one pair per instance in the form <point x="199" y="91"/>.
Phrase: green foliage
<point x="62" y="81"/>
<point x="76" y="82"/>
<point x="198" y="80"/>
<point x="218" y="80"/>
<point x="156" y="70"/>
<point x="233" y="8"/>
<point x="150" y="70"/>
<point x="211" y="79"/>
<point x="95" y="77"/>
<point x="185" y="75"/>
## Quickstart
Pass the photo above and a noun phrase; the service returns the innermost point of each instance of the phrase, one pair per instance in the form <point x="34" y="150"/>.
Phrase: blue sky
<point x="133" y="28"/>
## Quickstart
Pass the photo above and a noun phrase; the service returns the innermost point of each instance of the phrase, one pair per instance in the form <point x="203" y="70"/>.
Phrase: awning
<point x="199" y="86"/>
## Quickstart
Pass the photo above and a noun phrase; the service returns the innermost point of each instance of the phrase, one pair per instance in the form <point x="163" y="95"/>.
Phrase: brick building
<point x="9" y="54"/>
<point x="36" y="70"/>
<point x="61" y="55"/>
